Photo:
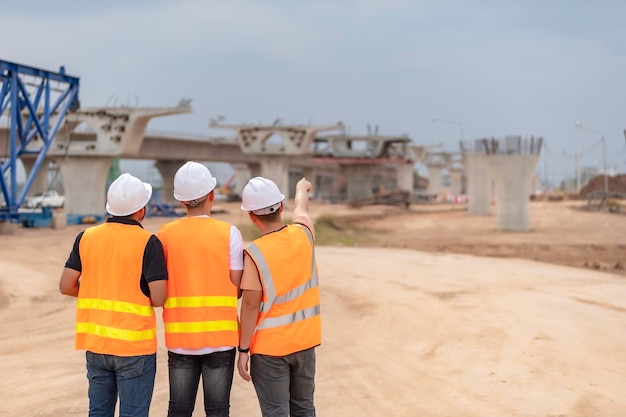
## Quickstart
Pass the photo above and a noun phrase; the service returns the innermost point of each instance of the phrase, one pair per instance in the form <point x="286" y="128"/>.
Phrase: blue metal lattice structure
<point x="32" y="104"/>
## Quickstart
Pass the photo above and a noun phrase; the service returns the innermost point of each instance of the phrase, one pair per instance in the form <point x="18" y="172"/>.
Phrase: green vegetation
<point x="329" y="230"/>
<point x="613" y="206"/>
<point x="334" y="230"/>
<point x="249" y="232"/>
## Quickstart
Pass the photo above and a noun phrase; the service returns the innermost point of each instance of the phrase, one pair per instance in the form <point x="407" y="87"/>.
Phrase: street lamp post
<point x="454" y="122"/>
<point x="579" y="125"/>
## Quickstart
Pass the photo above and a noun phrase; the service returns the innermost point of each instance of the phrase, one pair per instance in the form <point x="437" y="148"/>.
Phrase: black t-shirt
<point x="154" y="267"/>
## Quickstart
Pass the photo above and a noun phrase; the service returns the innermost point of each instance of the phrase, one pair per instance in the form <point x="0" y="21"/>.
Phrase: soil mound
<point x="616" y="184"/>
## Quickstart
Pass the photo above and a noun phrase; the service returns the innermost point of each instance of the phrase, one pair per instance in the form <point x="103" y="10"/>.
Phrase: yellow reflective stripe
<point x="208" y="301"/>
<point x="115" y="333"/>
<point x="118" y="306"/>
<point x="201" y="326"/>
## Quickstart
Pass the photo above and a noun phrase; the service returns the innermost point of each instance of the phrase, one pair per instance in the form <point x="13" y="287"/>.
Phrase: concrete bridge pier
<point x="242" y="175"/>
<point x="456" y="181"/>
<point x="168" y="169"/>
<point x="434" y="178"/>
<point x="359" y="181"/>
<point x="513" y="175"/>
<point x="276" y="168"/>
<point x="84" y="181"/>
<point x="405" y="177"/>
<point x="40" y="183"/>
<point x="478" y="173"/>
<point x="118" y="131"/>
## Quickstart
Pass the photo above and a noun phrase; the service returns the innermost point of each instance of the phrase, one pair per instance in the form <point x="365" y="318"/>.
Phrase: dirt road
<point x="406" y="332"/>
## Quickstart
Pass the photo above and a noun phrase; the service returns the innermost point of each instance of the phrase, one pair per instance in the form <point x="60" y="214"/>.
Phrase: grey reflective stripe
<point x="307" y="313"/>
<point x="298" y="291"/>
<point x="264" y="270"/>
<point x="314" y="278"/>
<point x="268" y="280"/>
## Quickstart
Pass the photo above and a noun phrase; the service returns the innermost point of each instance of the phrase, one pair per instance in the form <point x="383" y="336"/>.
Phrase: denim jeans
<point x="285" y="384"/>
<point x="130" y="377"/>
<point x="217" y="371"/>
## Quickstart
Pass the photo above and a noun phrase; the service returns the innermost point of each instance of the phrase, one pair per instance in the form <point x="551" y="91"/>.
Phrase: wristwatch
<point x="240" y="350"/>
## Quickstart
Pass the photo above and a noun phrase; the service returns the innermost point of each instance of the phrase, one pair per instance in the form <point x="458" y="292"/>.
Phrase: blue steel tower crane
<point x="37" y="102"/>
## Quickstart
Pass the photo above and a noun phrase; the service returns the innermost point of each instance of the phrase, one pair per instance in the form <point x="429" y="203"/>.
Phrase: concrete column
<point x="276" y="168"/>
<point x="478" y="174"/>
<point x="359" y="179"/>
<point x="255" y="170"/>
<point x="168" y="169"/>
<point x="84" y="180"/>
<point x="242" y="175"/>
<point x="405" y="177"/>
<point x="434" y="178"/>
<point x="513" y="175"/>
<point x="40" y="183"/>
<point x="456" y="181"/>
<point x="309" y="174"/>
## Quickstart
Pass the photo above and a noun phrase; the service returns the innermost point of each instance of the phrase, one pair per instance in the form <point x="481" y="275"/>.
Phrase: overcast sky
<point x="496" y="67"/>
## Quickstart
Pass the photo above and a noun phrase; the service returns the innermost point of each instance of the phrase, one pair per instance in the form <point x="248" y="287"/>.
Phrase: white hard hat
<point x="192" y="181"/>
<point x="261" y="196"/>
<point x="127" y="195"/>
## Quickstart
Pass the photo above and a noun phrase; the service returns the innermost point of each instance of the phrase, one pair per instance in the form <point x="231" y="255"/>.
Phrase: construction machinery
<point x="227" y="190"/>
<point x="36" y="102"/>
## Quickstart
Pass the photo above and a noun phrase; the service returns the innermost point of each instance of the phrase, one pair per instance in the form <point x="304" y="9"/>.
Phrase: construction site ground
<point x="426" y="312"/>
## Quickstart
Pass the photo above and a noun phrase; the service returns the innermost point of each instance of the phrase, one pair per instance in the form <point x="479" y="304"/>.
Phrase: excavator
<point x="227" y="190"/>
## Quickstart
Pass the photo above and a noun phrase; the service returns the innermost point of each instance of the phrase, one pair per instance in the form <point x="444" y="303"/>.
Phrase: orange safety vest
<point x="289" y="318"/>
<point x="201" y="308"/>
<point x="113" y="316"/>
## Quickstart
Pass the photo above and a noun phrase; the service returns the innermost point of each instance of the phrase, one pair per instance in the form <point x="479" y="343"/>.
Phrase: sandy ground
<point x="411" y="328"/>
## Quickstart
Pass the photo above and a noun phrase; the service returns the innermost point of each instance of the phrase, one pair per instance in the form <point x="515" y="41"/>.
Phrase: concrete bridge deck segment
<point x="290" y="139"/>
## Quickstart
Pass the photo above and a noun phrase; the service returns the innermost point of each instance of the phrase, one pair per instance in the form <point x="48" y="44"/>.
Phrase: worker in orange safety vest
<point x="117" y="270"/>
<point x="205" y="262"/>
<point x="280" y="310"/>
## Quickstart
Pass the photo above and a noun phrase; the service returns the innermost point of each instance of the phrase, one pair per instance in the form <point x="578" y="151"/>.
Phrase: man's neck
<point x="273" y="227"/>
<point x="204" y="210"/>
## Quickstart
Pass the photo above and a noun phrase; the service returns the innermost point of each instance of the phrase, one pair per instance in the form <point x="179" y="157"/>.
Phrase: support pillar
<point x="478" y="174"/>
<point x="84" y="180"/>
<point x="456" y="181"/>
<point x="309" y="174"/>
<point x="276" y="168"/>
<point x="434" y="178"/>
<point x="242" y="175"/>
<point x="359" y="181"/>
<point x="40" y="183"/>
<point x="255" y="171"/>
<point x="513" y="175"/>
<point x="405" y="177"/>
<point x="168" y="169"/>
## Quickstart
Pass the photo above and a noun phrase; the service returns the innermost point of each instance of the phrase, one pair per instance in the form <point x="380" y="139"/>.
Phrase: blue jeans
<point x="285" y="384"/>
<point x="217" y="371"/>
<point x="132" y="377"/>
